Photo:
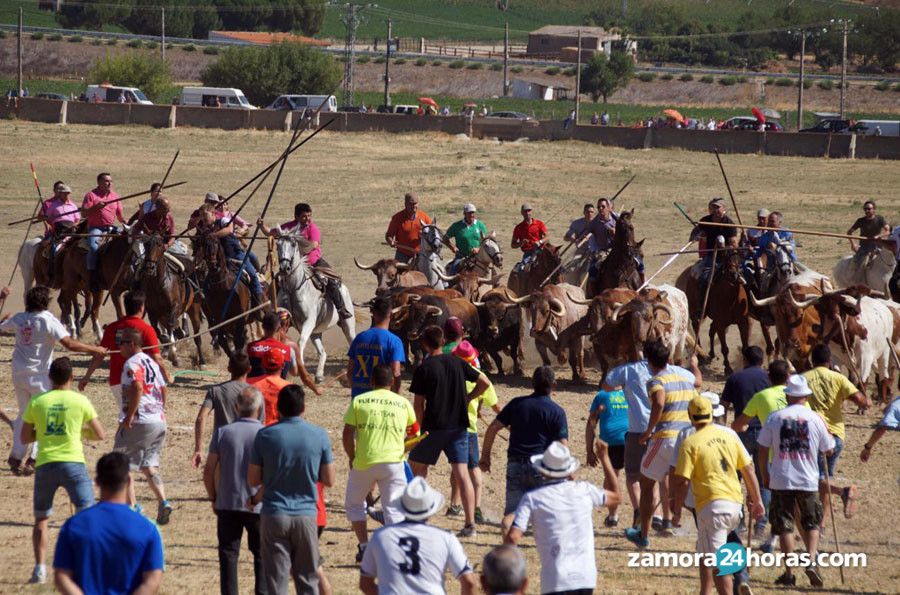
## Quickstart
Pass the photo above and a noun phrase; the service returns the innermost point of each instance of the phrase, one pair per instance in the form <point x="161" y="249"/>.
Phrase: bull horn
<point x="443" y="277"/>
<point x="433" y="310"/>
<point x="757" y="303"/>
<point x="414" y="298"/>
<point x="557" y="307"/>
<point x="402" y="266"/>
<point x="477" y="304"/>
<point x="667" y="310"/>
<point x="805" y="303"/>
<point x="877" y="294"/>
<point x="577" y="301"/>
<point x="615" y="313"/>
<point x="397" y="310"/>
<point x="853" y="304"/>
<point x="485" y="280"/>
<point x="365" y="268"/>
<point x="522" y="300"/>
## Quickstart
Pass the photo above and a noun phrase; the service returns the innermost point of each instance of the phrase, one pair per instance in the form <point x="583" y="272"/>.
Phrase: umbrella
<point x="427" y="101"/>
<point x="670" y="113"/>
<point x="770" y="113"/>
<point x="758" y="115"/>
<point x="470" y="104"/>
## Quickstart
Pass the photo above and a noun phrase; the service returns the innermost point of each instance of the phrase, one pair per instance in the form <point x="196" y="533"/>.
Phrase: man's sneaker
<point x="815" y="579"/>
<point x="163" y="513"/>
<point x="39" y="575"/>
<point x="479" y="516"/>
<point x="611" y="521"/>
<point x="665" y="528"/>
<point x="759" y="531"/>
<point x="634" y="536"/>
<point x="15" y="465"/>
<point x="467" y="531"/>
<point x="360" y="550"/>
<point x="454" y="510"/>
<point x="786" y="580"/>
<point x="656" y="523"/>
<point x="28" y="468"/>
<point x="744" y="589"/>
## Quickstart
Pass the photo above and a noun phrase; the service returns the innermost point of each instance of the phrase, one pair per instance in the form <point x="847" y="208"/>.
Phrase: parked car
<point x="409" y="110"/>
<point x="511" y="115"/>
<point x="114" y="94"/>
<point x="56" y="96"/>
<point x="351" y="109"/>
<point x="835" y="125"/>
<point x="771" y="126"/>
<point x="877" y="128"/>
<point x="214" y="97"/>
<point x="302" y="102"/>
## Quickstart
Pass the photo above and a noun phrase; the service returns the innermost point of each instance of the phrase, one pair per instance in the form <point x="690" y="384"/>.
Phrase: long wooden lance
<point x="730" y="193"/>
<point x="810" y="232"/>
<point x="37" y="207"/>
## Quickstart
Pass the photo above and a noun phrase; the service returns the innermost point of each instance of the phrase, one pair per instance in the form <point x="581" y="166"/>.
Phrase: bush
<point x="54" y="37"/>
<point x="727" y="81"/>
<point x="686" y="77"/>
<point x="741" y="79"/>
<point x="770" y="81"/>
<point x="496" y="67"/>
<point x="475" y="66"/>
<point x="2" y="34"/>
<point x="807" y="83"/>
<point x="399" y="61"/>
<point x="148" y="73"/>
<point x="37" y="35"/>
<point x="135" y="43"/>
<point x="707" y="78"/>
<point x="897" y="87"/>
<point x="189" y="48"/>
<point x="380" y="60"/>
<point x="211" y="50"/>
<point x="112" y="42"/>
<point x="516" y="69"/>
<point x="456" y="64"/>
<point x="784" y="82"/>
<point x="266" y="72"/>
<point x="364" y="59"/>
<point x="421" y="62"/>
<point x="437" y="63"/>
<point x="554" y="70"/>
<point x="96" y="41"/>
<point x="666" y="77"/>
<point x="76" y="39"/>
<point x="151" y="45"/>
<point x="646" y="77"/>
<point x="881" y="86"/>
<point x="570" y="71"/>
<point x="825" y="85"/>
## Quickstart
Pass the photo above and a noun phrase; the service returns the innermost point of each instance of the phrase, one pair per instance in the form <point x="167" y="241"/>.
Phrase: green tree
<point x="184" y="18"/>
<point x="133" y="69"/>
<point x="602" y="76"/>
<point x="303" y="15"/>
<point x="94" y="14"/>
<point x="265" y="73"/>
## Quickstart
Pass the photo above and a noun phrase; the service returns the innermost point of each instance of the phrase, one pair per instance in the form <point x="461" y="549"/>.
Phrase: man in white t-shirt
<point x="412" y="556"/>
<point x="37" y="333"/>
<point x="796" y="435"/>
<point x="142" y="418"/>
<point x="561" y="512"/>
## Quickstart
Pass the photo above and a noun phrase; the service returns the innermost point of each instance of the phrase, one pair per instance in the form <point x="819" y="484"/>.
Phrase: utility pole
<point x="506" y="59"/>
<point x="387" y="66"/>
<point x="19" y="54"/>
<point x="351" y="20"/>
<point x="800" y="88"/>
<point x="578" y="80"/>
<point x="844" y="67"/>
<point x="162" y="44"/>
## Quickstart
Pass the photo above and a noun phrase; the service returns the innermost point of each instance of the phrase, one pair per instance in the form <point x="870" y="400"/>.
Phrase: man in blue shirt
<point x="534" y="421"/>
<point x="109" y="548"/>
<point x="373" y="347"/>
<point x="287" y="460"/>
<point x="609" y="410"/>
<point x="771" y="240"/>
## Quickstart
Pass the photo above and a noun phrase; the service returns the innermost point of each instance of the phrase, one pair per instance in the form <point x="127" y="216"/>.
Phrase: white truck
<point x="214" y="97"/>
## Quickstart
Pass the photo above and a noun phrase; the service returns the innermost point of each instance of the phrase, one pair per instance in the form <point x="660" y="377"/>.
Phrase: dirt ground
<point x="354" y="183"/>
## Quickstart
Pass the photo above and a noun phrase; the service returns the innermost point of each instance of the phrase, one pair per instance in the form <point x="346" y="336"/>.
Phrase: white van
<point x="877" y="128"/>
<point x="409" y="110"/>
<point x="113" y="94"/>
<point x="302" y="102"/>
<point x="214" y="97"/>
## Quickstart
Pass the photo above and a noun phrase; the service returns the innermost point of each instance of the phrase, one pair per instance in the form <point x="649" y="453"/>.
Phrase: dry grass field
<point x="355" y="182"/>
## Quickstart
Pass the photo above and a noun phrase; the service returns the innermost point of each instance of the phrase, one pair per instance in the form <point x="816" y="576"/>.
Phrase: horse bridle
<point x="286" y="272"/>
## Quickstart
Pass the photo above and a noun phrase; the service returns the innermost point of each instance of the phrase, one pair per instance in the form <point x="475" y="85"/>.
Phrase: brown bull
<point x="796" y="325"/>
<point x="468" y="283"/>
<point x="501" y="327"/>
<point x="390" y="273"/>
<point x="402" y="296"/>
<point x="435" y="310"/>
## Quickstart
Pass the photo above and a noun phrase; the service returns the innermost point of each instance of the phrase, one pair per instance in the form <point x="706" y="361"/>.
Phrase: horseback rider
<point x="871" y="226"/>
<point x="405" y="229"/>
<point x="708" y="236"/>
<point x="467" y="234"/>
<point x="528" y="235"/>
<point x="102" y="210"/>
<point x="762" y="219"/>
<point x="223" y="229"/>
<point x="149" y="204"/>
<point x="303" y="225"/>
<point x="579" y="228"/>
<point x="59" y="215"/>
<point x="773" y="240"/>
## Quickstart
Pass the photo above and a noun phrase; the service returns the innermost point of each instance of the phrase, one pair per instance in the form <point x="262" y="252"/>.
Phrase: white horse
<point x="428" y="261"/>
<point x="875" y="272"/>
<point x="312" y="313"/>
<point x="26" y="262"/>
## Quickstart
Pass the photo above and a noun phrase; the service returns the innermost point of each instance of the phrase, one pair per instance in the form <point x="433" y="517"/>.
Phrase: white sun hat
<point x="557" y="461"/>
<point x="718" y="408"/>
<point x="797" y="387"/>
<point x="419" y="500"/>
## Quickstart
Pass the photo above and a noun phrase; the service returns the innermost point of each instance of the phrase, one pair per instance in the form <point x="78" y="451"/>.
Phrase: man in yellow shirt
<point x="57" y="420"/>
<point x="380" y="421"/>
<point x="829" y="391"/>
<point x="710" y="460"/>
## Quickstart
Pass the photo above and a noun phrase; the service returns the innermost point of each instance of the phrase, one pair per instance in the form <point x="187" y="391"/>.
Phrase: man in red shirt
<point x="101" y="212"/>
<point x="405" y="229"/>
<point x="270" y="383"/>
<point x="528" y="235"/>
<point x="134" y="314"/>
<point x="271" y="325"/>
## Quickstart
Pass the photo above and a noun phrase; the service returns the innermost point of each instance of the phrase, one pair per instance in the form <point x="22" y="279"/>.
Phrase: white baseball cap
<point x="469" y="208"/>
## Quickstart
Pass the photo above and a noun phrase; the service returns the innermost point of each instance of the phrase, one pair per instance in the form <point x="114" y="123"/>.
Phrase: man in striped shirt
<point x="670" y="390"/>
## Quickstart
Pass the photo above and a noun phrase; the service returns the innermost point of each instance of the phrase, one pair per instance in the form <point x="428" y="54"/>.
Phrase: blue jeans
<point x="255" y="285"/>
<point x="748" y="438"/>
<point x="94" y="244"/>
<point x="832" y="459"/>
<point x="453" y="267"/>
<point x="73" y="477"/>
<point x="520" y="479"/>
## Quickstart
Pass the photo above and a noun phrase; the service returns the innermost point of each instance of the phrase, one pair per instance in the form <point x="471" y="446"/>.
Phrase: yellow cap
<point x="700" y="409"/>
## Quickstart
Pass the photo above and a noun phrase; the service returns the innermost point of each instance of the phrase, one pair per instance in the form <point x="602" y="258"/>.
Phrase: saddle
<point x="234" y="264"/>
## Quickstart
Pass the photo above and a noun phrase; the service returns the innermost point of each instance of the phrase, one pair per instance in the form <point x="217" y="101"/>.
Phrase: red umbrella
<point x="758" y="115"/>
<point x="427" y="101"/>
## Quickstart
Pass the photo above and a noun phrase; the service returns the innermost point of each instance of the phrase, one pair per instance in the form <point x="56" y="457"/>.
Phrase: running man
<point x="609" y="411"/>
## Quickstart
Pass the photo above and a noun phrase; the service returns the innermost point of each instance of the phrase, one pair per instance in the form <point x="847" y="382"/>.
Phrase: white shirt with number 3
<point x="411" y="558"/>
<point x="141" y="368"/>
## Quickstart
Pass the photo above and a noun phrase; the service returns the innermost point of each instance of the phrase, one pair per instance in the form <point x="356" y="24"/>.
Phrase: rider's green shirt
<point x="467" y="237"/>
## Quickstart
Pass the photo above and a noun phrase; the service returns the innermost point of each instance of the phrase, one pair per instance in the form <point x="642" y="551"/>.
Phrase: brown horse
<point x="169" y="298"/>
<point x="529" y="279"/>
<point x="620" y="267"/>
<point x="216" y="280"/>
